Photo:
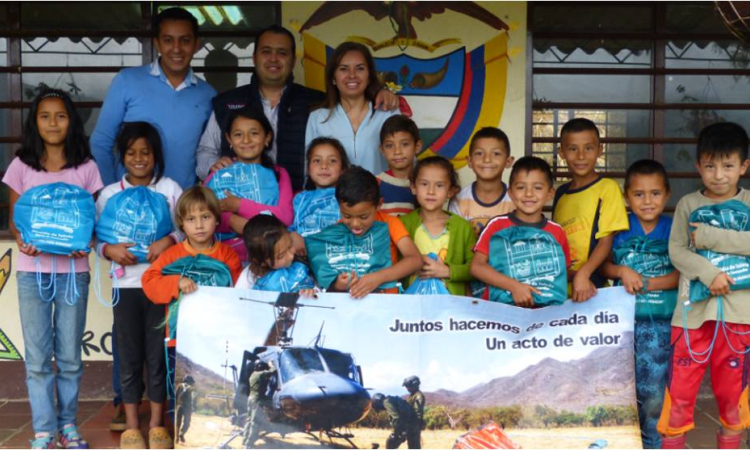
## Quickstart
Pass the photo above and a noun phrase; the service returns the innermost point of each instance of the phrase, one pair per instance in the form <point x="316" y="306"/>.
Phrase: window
<point x="650" y="75"/>
<point x="99" y="39"/>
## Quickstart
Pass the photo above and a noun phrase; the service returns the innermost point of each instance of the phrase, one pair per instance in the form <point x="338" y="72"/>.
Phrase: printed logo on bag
<point x="531" y="256"/>
<point x="57" y="218"/>
<point x="361" y="250"/>
<point x="64" y="213"/>
<point x="315" y="210"/>
<point x="246" y="181"/>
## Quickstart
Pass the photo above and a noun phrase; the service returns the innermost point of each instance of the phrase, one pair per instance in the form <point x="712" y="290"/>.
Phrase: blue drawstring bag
<point x="287" y="279"/>
<point x="248" y="181"/>
<point x="650" y="258"/>
<point x="137" y="215"/>
<point x="531" y="256"/>
<point x="428" y="286"/>
<point x="315" y="210"/>
<point x="337" y="250"/>
<point x="729" y="215"/>
<point x="57" y="218"/>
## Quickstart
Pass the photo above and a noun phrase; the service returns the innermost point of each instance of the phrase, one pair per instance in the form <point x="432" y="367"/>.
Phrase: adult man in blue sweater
<point x="165" y="93"/>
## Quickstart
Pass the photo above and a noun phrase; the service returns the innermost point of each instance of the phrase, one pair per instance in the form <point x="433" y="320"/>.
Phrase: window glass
<point x="228" y="17"/>
<point x="295" y="362"/>
<point x="124" y="16"/>
<point x="592" y="88"/>
<point x="687" y="123"/>
<point x="694" y="17"/>
<point x="82" y="52"/>
<point x="707" y="55"/>
<point x="586" y="18"/>
<point x="707" y="89"/>
<point x="609" y="53"/>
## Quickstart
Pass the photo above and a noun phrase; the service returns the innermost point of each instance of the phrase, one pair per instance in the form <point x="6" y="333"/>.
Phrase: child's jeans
<point x="50" y="329"/>
<point x="652" y="352"/>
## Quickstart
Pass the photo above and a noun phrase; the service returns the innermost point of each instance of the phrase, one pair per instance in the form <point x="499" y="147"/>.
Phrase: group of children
<point x="590" y="239"/>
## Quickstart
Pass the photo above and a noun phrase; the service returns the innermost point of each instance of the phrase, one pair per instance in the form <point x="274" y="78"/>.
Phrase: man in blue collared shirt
<point x="165" y="93"/>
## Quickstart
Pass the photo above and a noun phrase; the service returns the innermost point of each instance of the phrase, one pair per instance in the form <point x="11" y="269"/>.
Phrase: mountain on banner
<point x="560" y="385"/>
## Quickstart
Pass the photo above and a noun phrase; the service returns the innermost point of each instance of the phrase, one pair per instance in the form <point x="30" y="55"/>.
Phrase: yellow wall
<point x="97" y="340"/>
<point x="471" y="32"/>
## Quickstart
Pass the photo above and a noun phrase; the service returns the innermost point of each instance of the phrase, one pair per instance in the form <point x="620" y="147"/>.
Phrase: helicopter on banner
<point x="314" y="389"/>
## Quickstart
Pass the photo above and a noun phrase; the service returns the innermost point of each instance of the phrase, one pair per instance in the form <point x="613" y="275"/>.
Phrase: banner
<point x="556" y="377"/>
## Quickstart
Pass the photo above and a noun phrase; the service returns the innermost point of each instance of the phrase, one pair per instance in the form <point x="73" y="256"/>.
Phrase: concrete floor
<point x="94" y="417"/>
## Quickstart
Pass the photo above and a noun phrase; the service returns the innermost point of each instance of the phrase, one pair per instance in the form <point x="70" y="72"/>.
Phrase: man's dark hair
<point x="493" y="133"/>
<point x="357" y="185"/>
<point x="175" y="14"/>
<point x="529" y="163"/>
<point x="722" y="139"/>
<point x="646" y="167"/>
<point x="398" y="123"/>
<point x="579" y="125"/>
<point x="276" y="29"/>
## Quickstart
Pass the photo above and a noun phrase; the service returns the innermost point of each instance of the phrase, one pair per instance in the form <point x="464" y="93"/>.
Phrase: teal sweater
<point x="460" y="249"/>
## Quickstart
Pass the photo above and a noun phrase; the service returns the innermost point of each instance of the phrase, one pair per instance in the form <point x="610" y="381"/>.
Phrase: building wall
<point x="502" y="103"/>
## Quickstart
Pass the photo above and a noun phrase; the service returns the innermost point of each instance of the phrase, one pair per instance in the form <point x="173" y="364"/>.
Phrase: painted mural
<point x="97" y="339"/>
<point x="456" y="80"/>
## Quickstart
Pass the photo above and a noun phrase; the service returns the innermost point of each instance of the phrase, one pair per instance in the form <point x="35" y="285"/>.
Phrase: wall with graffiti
<point x="461" y="65"/>
<point x="97" y="340"/>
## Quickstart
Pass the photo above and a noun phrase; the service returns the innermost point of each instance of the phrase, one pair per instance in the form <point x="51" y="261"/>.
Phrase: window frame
<point x="659" y="36"/>
<point x="15" y="33"/>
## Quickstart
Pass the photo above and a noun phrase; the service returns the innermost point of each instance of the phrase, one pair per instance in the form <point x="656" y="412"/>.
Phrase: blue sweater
<point x="144" y="94"/>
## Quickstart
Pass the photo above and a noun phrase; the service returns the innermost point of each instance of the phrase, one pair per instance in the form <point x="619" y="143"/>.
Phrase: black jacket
<point x="294" y="109"/>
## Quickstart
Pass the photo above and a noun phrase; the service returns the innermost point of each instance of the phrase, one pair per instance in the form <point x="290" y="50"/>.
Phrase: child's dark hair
<point x="530" y="163"/>
<point x="490" y="133"/>
<point x="196" y="195"/>
<point x="578" y="125"/>
<point x="436" y="161"/>
<point x="251" y="113"/>
<point x="261" y="233"/>
<point x="722" y="139"/>
<point x="333" y="142"/>
<point x="395" y="124"/>
<point x="176" y="13"/>
<point x="131" y="132"/>
<point x="646" y="167"/>
<point x="357" y="185"/>
<point x="77" y="150"/>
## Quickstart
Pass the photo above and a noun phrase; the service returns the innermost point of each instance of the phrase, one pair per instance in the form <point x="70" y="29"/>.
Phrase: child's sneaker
<point x="69" y="438"/>
<point x="43" y="440"/>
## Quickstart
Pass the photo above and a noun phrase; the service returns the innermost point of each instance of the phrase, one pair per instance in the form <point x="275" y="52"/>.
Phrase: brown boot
<point x="728" y="441"/>
<point x="159" y="437"/>
<point x="673" y="442"/>
<point x="132" y="439"/>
